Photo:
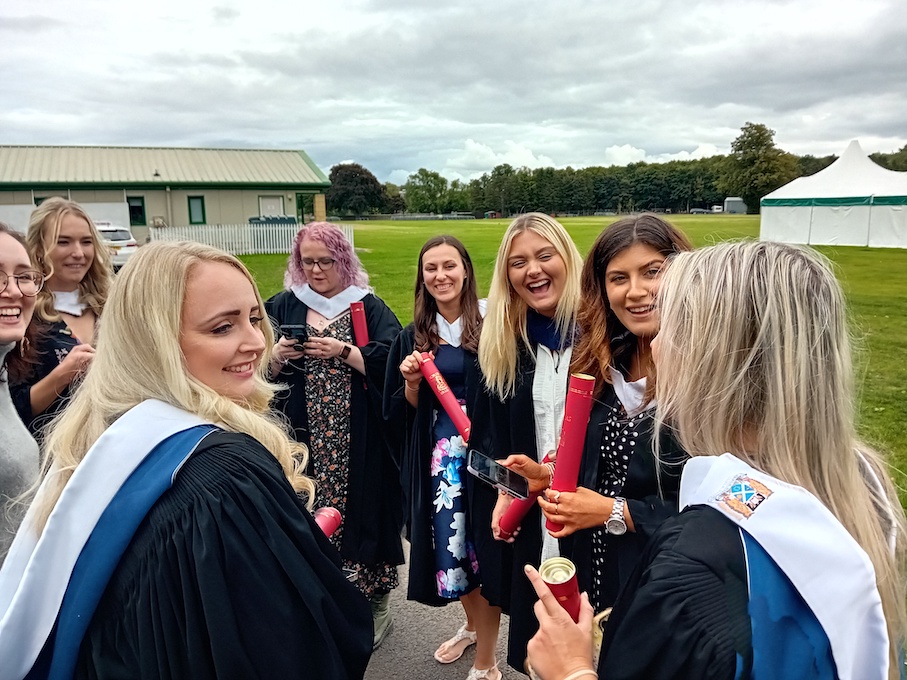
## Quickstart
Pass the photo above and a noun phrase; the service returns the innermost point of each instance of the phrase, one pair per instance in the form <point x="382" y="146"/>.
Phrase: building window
<point x="270" y="205"/>
<point x="136" y="211"/>
<point x="196" y="210"/>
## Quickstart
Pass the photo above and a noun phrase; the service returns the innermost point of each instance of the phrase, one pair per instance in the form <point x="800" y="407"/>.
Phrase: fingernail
<point x="527" y="568"/>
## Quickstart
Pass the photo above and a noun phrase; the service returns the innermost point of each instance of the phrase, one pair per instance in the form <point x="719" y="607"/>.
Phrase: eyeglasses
<point x="324" y="263"/>
<point x="29" y="283"/>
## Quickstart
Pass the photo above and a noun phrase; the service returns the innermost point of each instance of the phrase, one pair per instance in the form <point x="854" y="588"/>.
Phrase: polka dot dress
<point x="619" y="437"/>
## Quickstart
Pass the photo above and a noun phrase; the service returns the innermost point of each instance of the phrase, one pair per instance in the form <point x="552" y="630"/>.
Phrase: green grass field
<point x="875" y="281"/>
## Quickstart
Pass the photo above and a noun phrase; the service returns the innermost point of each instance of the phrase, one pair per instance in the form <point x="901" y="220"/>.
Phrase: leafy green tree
<point x="810" y="165"/>
<point x="395" y="202"/>
<point x="756" y="166"/>
<point x="425" y="191"/>
<point x="893" y="161"/>
<point x="457" y="197"/>
<point x="354" y="190"/>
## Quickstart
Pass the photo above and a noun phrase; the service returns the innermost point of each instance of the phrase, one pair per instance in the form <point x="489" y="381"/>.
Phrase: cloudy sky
<point x="456" y="86"/>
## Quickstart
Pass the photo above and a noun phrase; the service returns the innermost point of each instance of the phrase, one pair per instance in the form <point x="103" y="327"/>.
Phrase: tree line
<point x="755" y="167"/>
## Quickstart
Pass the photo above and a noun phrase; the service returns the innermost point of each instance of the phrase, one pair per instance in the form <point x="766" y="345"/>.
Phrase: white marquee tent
<point x="852" y="202"/>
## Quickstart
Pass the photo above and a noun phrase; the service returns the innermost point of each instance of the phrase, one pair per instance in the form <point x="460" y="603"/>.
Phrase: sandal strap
<point x="462" y="634"/>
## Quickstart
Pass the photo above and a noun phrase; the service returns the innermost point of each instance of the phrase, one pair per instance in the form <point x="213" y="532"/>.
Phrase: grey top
<point x="19" y="462"/>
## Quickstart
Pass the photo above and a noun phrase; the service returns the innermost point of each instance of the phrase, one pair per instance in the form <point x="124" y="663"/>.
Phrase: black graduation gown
<point x="228" y="576"/>
<point x="416" y="424"/>
<point x="509" y="427"/>
<point x="651" y="495"/>
<point x="373" y="520"/>
<point x="683" y="612"/>
<point x="54" y="343"/>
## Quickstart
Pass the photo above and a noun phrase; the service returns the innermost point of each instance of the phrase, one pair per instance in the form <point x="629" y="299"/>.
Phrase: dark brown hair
<point x="604" y="340"/>
<point x="427" y="339"/>
<point x="21" y="362"/>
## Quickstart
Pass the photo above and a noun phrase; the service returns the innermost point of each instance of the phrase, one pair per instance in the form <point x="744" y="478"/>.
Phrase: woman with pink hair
<point x="334" y="404"/>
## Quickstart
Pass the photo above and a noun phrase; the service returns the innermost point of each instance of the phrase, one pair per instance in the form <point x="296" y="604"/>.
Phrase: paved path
<point x="418" y="630"/>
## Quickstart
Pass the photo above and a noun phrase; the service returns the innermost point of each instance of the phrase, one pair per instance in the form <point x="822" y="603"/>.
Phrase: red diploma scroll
<point x="560" y="575"/>
<point x="573" y="436"/>
<point x="360" y="328"/>
<point x="513" y="516"/>
<point x="327" y="519"/>
<point x="445" y="396"/>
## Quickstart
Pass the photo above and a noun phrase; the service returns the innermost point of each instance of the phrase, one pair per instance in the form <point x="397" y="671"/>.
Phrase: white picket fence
<point x="239" y="239"/>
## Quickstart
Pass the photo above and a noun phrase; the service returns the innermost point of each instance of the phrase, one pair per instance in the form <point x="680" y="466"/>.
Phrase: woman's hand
<point x="75" y="363"/>
<point x="560" y="647"/>
<point x="283" y="352"/>
<point x="323" y="348"/>
<point x="581" y="509"/>
<point x="537" y="474"/>
<point x="410" y="368"/>
<point x="504" y="501"/>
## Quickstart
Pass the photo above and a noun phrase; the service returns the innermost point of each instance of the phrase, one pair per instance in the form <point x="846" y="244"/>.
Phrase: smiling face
<point x="536" y="271"/>
<point x="15" y="308"/>
<point x="631" y="282"/>
<point x="443" y="274"/>
<point x="72" y="254"/>
<point x="325" y="282"/>
<point x="221" y="337"/>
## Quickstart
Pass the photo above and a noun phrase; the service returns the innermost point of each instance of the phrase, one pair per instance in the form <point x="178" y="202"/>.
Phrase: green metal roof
<point x="47" y="166"/>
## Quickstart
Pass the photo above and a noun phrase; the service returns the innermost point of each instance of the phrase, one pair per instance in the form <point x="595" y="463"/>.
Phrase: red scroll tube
<point x="573" y="436"/>
<point x="442" y="391"/>
<point x="513" y="516"/>
<point x="360" y="327"/>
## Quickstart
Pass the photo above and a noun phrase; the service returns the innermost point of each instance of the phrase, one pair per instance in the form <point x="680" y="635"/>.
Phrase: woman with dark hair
<point x="65" y="244"/>
<point x="442" y="499"/>
<point x="19" y="459"/>
<point x="334" y="404"/>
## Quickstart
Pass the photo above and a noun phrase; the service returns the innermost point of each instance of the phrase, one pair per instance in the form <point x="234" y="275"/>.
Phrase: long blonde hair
<point x="43" y="232"/>
<point x="505" y="321"/>
<point x="138" y="357"/>
<point x="754" y="358"/>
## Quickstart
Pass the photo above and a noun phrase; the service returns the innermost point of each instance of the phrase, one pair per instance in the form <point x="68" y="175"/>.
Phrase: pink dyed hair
<point x="348" y="265"/>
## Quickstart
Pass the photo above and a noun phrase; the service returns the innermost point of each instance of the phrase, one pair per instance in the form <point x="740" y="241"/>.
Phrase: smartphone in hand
<point x="491" y="472"/>
<point x="296" y="331"/>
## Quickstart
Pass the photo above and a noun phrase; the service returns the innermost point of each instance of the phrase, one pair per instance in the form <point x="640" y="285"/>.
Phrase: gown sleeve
<point x="229" y="577"/>
<point x="683" y="613"/>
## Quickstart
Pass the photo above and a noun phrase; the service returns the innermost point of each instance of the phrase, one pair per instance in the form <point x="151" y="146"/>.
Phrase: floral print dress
<point x="328" y="407"/>
<point x="456" y="567"/>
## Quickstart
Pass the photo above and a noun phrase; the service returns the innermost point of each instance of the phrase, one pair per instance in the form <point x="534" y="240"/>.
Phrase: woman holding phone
<point x="524" y="352"/>
<point x="442" y="500"/>
<point x="334" y="404"/>
<point x="624" y="492"/>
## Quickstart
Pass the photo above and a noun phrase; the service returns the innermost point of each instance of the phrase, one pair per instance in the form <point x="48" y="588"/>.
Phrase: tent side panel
<point x="888" y="226"/>
<point x="784" y="223"/>
<point x="840" y="226"/>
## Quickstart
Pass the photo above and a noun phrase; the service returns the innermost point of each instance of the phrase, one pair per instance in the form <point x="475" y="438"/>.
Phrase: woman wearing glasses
<point x="64" y="242"/>
<point x="19" y="284"/>
<point x="334" y="404"/>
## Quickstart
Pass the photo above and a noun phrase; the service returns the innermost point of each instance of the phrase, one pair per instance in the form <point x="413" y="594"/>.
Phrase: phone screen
<point x="491" y="472"/>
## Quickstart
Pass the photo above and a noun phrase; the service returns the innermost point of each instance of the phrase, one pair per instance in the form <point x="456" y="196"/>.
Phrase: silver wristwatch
<point x="615" y="524"/>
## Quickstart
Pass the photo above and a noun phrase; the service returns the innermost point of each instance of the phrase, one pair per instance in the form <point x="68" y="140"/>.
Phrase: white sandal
<point x="462" y="635"/>
<point x="485" y="674"/>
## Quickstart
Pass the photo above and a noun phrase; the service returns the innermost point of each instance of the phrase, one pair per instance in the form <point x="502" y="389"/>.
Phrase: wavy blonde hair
<point x="139" y="357"/>
<point x="505" y="320"/>
<point x="754" y="358"/>
<point x="43" y="232"/>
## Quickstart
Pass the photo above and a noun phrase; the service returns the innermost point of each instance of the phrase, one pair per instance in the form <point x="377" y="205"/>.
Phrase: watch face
<point x="616" y="527"/>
